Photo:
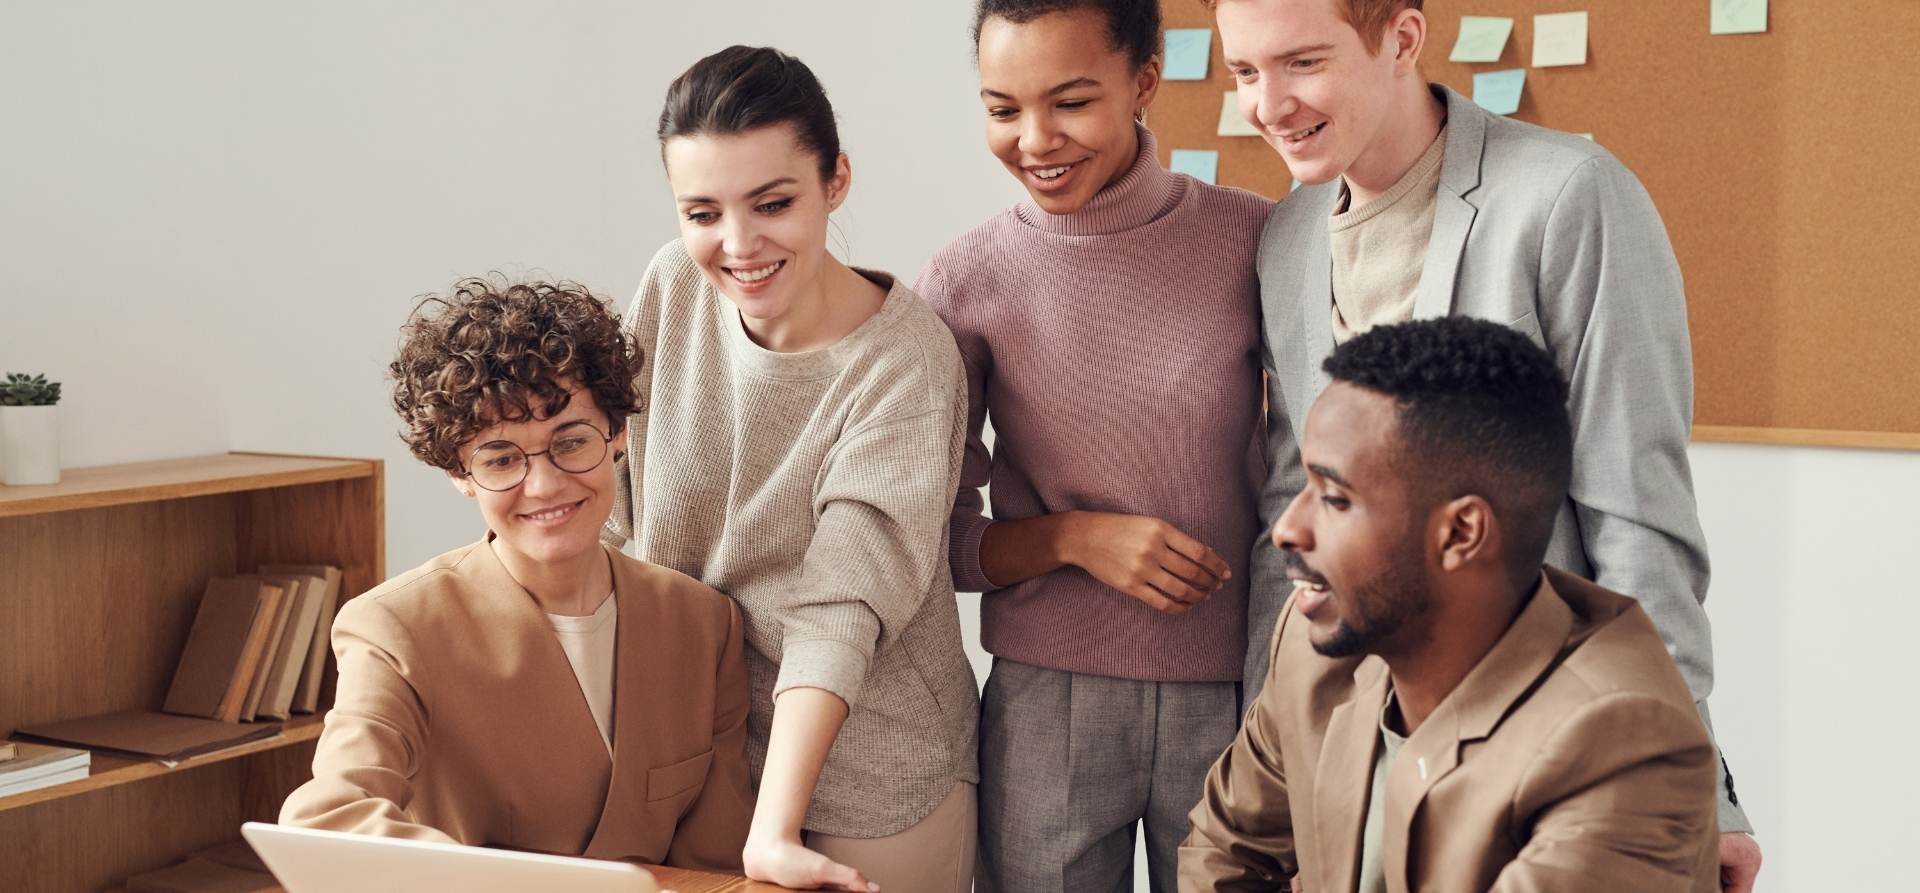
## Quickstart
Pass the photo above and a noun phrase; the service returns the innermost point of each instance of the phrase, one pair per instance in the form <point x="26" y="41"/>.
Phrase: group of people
<point x="1345" y="542"/>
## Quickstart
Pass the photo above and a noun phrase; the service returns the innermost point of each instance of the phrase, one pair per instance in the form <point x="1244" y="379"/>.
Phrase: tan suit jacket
<point x="1570" y="759"/>
<point x="458" y="716"/>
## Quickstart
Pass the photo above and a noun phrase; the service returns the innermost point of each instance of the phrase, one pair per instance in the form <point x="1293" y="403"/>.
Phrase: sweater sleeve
<point x="880" y="511"/>
<point x="641" y="324"/>
<point x="969" y="519"/>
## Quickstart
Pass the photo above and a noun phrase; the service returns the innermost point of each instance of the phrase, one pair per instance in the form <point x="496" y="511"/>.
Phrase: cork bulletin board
<point x="1786" y="165"/>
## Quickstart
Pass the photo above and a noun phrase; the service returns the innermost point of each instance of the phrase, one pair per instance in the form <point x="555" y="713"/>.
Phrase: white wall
<point x="213" y="216"/>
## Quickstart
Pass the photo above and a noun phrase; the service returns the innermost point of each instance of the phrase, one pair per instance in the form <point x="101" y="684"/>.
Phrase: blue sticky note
<point x="1499" y="91"/>
<point x="1187" y="50"/>
<point x="1200" y="164"/>
<point x="1738" y="17"/>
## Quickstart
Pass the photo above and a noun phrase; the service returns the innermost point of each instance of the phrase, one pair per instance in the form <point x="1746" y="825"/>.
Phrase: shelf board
<point x="111" y="770"/>
<point x="107" y="485"/>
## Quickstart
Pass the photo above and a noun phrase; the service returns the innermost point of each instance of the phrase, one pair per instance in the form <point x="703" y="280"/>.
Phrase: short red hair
<point x="1369" y="18"/>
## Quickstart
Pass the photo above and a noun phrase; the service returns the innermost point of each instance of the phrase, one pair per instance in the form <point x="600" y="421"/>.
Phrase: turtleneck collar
<point x="1141" y="195"/>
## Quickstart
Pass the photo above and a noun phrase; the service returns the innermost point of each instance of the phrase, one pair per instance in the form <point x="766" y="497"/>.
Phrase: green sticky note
<point x="1739" y="16"/>
<point x="1499" y="91"/>
<point x="1560" y="39"/>
<point x="1231" y="124"/>
<point x="1186" y="58"/>
<point x="1200" y="164"/>
<point x="1482" y="39"/>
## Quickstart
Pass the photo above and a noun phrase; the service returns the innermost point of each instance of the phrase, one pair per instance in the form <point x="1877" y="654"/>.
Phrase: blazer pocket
<point x="679" y="778"/>
<point x="1529" y="325"/>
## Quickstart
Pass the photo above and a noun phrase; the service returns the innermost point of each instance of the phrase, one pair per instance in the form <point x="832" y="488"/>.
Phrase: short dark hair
<point x="1133" y="26"/>
<point x="492" y="351"/>
<point x="1482" y="410"/>
<point x="744" y="88"/>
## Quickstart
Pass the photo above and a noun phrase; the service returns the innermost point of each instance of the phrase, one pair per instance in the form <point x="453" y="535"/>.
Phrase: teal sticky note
<point x="1200" y="164"/>
<point x="1187" y="50"/>
<point x="1739" y="17"/>
<point x="1499" y="91"/>
<point x="1482" y="39"/>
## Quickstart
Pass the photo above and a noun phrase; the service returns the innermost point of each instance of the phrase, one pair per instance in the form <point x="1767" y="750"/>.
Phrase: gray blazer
<point x="1550" y="234"/>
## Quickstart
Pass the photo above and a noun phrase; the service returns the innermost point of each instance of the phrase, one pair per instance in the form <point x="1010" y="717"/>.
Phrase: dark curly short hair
<point x="1133" y="26"/>
<point x="1482" y="410"/>
<point x="491" y="350"/>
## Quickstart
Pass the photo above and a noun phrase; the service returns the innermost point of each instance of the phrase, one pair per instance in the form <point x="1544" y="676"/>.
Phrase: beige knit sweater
<point x="814" y="488"/>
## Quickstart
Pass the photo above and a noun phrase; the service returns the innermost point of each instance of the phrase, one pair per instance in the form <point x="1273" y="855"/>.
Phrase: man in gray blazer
<point x="1414" y="202"/>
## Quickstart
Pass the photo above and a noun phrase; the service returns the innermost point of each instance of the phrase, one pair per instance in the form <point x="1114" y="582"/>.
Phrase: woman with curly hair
<point x="535" y="690"/>
<point x="800" y="453"/>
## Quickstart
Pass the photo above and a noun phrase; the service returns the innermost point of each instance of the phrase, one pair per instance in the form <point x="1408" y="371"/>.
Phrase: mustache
<point x="1296" y="567"/>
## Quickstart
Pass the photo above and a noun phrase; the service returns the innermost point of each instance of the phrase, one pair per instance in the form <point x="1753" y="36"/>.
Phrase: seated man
<point x="1441" y="711"/>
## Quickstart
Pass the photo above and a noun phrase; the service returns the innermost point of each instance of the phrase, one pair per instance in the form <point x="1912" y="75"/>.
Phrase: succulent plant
<point x="22" y="390"/>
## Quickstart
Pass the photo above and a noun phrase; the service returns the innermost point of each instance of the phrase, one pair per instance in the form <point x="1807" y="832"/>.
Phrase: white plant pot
<point x="29" y="445"/>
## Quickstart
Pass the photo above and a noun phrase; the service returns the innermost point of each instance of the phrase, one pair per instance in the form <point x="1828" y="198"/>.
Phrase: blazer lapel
<point x="1343" y="777"/>
<point x="626" y="788"/>
<point x="1474" y="709"/>
<point x="1452" y="213"/>
<point x="1318" y="290"/>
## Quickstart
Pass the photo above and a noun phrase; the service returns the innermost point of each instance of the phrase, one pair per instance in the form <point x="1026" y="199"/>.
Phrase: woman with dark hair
<point x="535" y="690"/>
<point x="801" y="453"/>
<point x="1110" y="327"/>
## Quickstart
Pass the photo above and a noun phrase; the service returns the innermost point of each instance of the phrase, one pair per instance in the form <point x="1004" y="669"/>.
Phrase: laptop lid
<point x="306" y="860"/>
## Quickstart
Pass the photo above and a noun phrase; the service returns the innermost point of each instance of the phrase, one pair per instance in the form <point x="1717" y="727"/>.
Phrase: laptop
<point x="308" y="861"/>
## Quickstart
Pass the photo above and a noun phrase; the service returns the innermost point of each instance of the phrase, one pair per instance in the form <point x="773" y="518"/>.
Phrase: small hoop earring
<point x="1140" y="114"/>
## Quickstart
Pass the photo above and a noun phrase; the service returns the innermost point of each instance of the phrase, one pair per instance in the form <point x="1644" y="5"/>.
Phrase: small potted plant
<point x="29" y="433"/>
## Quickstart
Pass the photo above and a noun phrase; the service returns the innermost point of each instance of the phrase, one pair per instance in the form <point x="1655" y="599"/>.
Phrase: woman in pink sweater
<point x="1110" y="329"/>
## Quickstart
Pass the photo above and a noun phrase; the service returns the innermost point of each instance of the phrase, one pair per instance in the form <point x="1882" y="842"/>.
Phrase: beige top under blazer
<point x="459" y="717"/>
<point x="1569" y="759"/>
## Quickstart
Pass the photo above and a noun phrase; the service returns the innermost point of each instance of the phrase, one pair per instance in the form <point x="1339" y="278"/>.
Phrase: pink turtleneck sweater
<point x="1116" y="350"/>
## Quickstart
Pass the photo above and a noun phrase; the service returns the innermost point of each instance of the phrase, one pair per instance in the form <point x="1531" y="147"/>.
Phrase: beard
<point x="1383" y="605"/>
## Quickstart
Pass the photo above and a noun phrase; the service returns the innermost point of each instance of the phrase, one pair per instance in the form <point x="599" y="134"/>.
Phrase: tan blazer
<point x="1570" y="759"/>
<point x="458" y="717"/>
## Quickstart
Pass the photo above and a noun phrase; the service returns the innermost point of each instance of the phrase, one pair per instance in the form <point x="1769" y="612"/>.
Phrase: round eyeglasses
<point x="576" y="448"/>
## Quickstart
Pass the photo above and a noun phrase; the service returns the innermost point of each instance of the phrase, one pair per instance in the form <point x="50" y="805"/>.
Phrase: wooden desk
<point x="681" y="880"/>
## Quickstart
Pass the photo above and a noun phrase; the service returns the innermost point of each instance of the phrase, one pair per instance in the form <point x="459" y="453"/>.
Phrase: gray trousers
<point x="1070" y="762"/>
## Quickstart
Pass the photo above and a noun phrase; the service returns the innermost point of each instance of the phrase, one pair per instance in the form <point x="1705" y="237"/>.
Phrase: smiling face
<point x="753" y="214"/>
<point x="1307" y="80"/>
<point x="553" y="516"/>
<point x="1060" y="103"/>
<point x="1352" y="541"/>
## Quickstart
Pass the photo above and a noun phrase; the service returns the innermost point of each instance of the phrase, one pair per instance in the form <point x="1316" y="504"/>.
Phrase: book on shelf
<point x="199" y="874"/>
<point x="289" y="658"/>
<point x="149" y="735"/>
<point x="212" y="663"/>
<point x="37" y="766"/>
<point x="306" y="695"/>
<point x="283" y="597"/>
<point x="6" y="751"/>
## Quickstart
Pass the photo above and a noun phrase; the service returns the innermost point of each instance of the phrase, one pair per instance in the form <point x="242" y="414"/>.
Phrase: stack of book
<point x="258" y="645"/>
<point x="229" y="868"/>
<point x="255" y="653"/>
<point x="29" y="767"/>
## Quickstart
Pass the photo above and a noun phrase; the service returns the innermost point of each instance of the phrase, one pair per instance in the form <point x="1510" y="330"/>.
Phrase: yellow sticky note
<point x="1231" y="124"/>
<point x="1560" y="39"/>
<point x="1482" y="39"/>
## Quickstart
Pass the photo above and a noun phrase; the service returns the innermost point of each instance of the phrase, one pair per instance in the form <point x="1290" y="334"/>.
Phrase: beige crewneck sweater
<point x="814" y="488"/>
<point x="1380" y="248"/>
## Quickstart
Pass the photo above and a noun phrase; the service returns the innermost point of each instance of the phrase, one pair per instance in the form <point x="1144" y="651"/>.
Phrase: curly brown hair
<point x="492" y="350"/>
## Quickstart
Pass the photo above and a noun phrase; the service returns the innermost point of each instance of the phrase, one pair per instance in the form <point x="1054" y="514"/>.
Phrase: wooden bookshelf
<point x="108" y="770"/>
<point x="100" y="576"/>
